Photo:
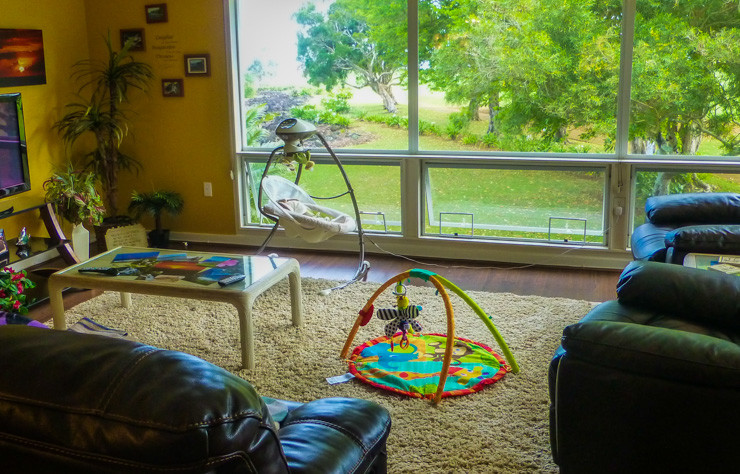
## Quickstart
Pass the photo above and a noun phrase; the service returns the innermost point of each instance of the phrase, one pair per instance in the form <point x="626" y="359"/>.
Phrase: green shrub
<point x="338" y="102"/>
<point x="470" y="139"/>
<point x="428" y="128"/>
<point x="490" y="140"/>
<point x="456" y="125"/>
<point x="306" y="112"/>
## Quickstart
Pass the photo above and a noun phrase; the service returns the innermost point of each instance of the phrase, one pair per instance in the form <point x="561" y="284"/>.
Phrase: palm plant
<point x="109" y="83"/>
<point x="155" y="204"/>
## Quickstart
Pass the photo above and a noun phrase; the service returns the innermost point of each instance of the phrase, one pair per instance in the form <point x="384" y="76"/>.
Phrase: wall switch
<point x="207" y="189"/>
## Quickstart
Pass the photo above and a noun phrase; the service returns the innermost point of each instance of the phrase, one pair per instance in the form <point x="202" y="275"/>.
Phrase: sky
<point x="268" y="32"/>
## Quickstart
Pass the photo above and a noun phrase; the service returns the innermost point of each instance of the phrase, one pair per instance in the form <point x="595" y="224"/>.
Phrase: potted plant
<point x="101" y="113"/>
<point x="13" y="286"/>
<point x="76" y="199"/>
<point x="154" y="204"/>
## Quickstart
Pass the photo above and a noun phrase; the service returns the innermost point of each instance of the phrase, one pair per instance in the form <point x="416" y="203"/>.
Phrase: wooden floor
<point x="584" y="284"/>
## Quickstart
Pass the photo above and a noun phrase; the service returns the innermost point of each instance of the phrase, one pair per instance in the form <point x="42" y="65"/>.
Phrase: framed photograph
<point x="21" y="58"/>
<point x="172" y="88"/>
<point x="197" y="64"/>
<point x="156" y="13"/>
<point x="135" y="34"/>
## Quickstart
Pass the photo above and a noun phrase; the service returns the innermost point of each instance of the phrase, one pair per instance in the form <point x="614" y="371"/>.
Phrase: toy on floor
<point x="425" y="365"/>
<point x="402" y="319"/>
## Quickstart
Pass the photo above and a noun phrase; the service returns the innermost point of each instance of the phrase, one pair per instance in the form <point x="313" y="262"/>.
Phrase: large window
<point x="499" y="119"/>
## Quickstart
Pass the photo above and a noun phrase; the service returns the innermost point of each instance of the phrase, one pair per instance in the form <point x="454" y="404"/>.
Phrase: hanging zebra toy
<point x="402" y="318"/>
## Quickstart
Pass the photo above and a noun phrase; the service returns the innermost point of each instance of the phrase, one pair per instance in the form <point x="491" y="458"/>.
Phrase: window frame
<point x="620" y="168"/>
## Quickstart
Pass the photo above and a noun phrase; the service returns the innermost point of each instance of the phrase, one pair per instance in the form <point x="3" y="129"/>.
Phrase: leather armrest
<point x="695" y="208"/>
<point x="687" y="293"/>
<point x="338" y="434"/>
<point x="655" y="352"/>
<point x="705" y="238"/>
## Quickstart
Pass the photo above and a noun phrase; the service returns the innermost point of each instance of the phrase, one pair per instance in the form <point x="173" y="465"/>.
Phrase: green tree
<point x="357" y="43"/>
<point x="685" y="80"/>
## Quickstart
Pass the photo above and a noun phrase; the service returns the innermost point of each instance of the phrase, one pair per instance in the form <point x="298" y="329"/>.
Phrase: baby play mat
<point x="420" y="365"/>
<point x="415" y="370"/>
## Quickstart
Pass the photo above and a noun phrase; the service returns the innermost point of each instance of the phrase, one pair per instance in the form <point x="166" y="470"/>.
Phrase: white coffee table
<point x="193" y="279"/>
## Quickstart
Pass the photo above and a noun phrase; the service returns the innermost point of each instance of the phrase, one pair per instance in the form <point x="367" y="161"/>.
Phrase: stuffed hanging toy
<point x="402" y="318"/>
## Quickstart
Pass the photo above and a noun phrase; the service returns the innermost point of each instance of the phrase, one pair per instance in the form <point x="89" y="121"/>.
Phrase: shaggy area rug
<point x="503" y="428"/>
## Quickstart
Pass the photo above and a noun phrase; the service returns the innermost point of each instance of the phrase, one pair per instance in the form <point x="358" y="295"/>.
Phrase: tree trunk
<point x="493" y="111"/>
<point x="639" y="146"/>
<point x="662" y="183"/>
<point x="386" y="93"/>
<point x="472" y="109"/>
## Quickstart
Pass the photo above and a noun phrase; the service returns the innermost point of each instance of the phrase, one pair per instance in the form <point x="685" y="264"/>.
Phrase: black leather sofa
<point x="677" y="224"/>
<point x="82" y="403"/>
<point x="650" y="382"/>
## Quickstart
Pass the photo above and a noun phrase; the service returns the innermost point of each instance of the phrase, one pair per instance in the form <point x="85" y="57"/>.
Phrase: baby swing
<point x="292" y="208"/>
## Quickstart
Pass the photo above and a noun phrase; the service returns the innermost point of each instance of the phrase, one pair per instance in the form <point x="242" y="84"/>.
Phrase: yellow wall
<point x="180" y="141"/>
<point x="64" y="44"/>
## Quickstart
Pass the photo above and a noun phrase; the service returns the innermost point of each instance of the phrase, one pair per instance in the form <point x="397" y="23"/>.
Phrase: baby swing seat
<point x="299" y="214"/>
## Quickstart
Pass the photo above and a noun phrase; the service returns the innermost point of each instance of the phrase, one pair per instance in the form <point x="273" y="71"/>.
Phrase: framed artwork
<point x="135" y="34"/>
<point x="172" y="88"/>
<point x="21" y="58"/>
<point x="156" y="13"/>
<point x="197" y="64"/>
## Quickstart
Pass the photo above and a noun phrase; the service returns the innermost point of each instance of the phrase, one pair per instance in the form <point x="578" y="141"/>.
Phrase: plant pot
<point x="81" y="242"/>
<point x="159" y="238"/>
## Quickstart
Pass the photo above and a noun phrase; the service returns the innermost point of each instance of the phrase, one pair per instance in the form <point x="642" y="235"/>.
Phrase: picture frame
<point x="22" y="53"/>
<point x="198" y="64"/>
<point x="137" y="34"/>
<point x="156" y="13"/>
<point x="173" y="88"/>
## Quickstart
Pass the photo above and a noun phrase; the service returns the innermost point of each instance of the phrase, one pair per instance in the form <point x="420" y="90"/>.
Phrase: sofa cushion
<point x="688" y="293"/>
<point x="103" y="404"/>
<point x="694" y="208"/>
<point x="705" y="238"/>
<point x="648" y="242"/>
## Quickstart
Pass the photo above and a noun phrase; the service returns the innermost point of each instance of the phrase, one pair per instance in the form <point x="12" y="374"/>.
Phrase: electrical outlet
<point x="619" y="204"/>
<point x="207" y="189"/>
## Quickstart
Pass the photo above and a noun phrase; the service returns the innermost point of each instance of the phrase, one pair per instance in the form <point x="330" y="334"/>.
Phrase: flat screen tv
<point x="14" y="176"/>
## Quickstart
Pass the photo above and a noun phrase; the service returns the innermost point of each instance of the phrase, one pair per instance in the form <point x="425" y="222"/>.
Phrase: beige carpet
<point x="503" y="428"/>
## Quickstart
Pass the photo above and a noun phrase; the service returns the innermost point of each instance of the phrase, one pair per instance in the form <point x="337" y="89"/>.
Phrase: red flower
<point x="17" y="304"/>
<point x="16" y="277"/>
<point x="2" y="294"/>
<point x="20" y="288"/>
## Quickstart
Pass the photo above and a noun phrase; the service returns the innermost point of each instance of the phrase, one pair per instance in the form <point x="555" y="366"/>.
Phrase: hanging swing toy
<point x="432" y="366"/>
<point x="293" y="209"/>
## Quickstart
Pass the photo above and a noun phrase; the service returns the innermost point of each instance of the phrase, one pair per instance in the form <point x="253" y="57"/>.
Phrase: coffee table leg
<point x="57" y="304"/>
<point x="246" y="331"/>
<point x="296" y="300"/>
<point x="125" y="299"/>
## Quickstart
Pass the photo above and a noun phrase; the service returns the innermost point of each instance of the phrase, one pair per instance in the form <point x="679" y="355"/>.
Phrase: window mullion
<point x="413" y="74"/>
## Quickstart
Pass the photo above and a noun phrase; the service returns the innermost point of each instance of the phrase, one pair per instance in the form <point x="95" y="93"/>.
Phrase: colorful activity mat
<point x="420" y="365"/>
<point x="415" y="370"/>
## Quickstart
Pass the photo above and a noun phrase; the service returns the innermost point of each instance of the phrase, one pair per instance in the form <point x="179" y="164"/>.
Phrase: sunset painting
<point x="21" y="58"/>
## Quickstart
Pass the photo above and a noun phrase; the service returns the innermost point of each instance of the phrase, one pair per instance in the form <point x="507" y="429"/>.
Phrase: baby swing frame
<point x="363" y="265"/>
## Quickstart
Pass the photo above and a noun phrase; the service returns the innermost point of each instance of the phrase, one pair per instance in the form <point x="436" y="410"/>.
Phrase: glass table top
<point x="199" y="269"/>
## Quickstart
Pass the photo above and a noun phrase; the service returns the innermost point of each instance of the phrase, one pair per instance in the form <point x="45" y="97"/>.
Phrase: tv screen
<point x="14" y="176"/>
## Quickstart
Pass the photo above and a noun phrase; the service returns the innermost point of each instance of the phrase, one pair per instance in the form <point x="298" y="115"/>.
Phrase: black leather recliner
<point x="79" y="403"/>
<point x="678" y="224"/>
<point x="650" y="382"/>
